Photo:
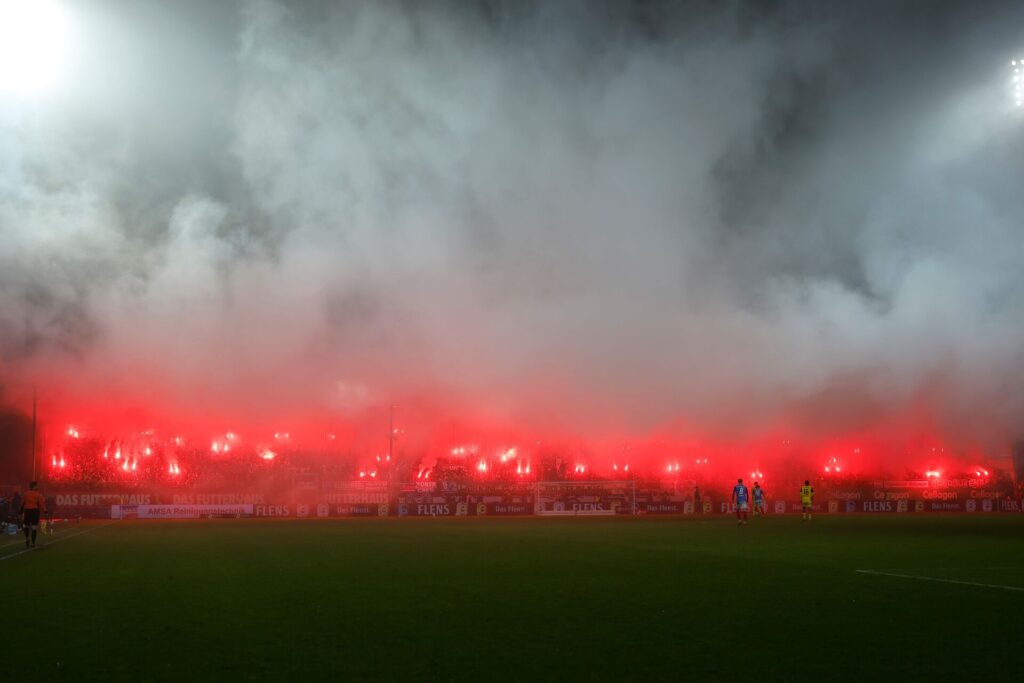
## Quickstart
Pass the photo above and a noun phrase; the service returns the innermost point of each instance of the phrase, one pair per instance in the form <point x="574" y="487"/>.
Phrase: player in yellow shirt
<point x="807" y="499"/>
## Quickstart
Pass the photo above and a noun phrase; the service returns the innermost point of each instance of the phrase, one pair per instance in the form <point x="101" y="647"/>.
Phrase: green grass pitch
<point x="477" y="599"/>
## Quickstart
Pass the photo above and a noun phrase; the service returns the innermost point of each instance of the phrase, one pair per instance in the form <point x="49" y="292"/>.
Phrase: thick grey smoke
<point x="592" y="218"/>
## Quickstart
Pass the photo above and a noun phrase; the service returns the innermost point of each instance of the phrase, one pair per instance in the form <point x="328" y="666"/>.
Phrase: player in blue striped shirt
<point x="741" y="498"/>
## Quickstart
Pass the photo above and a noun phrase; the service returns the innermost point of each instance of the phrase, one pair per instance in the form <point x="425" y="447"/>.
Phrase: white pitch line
<point x="932" y="578"/>
<point x="62" y="538"/>
<point x="20" y="542"/>
<point x="21" y="537"/>
<point x="8" y="545"/>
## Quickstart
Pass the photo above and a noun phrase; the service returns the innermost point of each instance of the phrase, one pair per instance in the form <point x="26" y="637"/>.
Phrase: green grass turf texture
<point x="518" y="599"/>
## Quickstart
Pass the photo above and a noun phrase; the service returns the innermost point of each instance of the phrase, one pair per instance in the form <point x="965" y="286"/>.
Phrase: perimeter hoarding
<point x="322" y="510"/>
<point x="431" y="506"/>
<point x="90" y="505"/>
<point x="417" y="499"/>
<point x="939" y="495"/>
<point x="179" y="511"/>
<point x="663" y="507"/>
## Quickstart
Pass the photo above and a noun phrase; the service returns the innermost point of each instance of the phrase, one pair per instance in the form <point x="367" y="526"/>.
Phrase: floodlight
<point x="34" y="40"/>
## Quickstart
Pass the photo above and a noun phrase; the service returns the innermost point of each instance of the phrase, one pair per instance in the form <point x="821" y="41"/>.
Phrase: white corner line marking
<point x="62" y="538"/>
<point x="932" y="578"/>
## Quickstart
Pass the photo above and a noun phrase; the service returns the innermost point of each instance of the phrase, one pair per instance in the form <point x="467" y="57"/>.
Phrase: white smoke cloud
<point x="564" y="216"/>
